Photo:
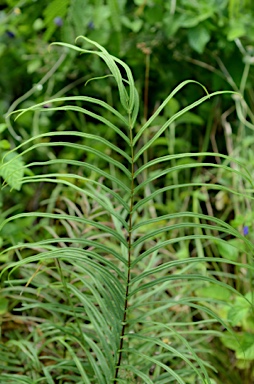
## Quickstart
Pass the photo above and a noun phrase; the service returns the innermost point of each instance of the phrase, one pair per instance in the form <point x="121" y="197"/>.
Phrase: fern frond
<point x="107" y="297"/>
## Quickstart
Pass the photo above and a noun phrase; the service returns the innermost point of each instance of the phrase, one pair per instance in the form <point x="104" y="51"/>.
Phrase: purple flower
<point x="90" y="25"/>
<point x="48" y="105"/>
<point x="10" y="34"/>
<point x="58" y="21"/>
<point x="245" y="230"/>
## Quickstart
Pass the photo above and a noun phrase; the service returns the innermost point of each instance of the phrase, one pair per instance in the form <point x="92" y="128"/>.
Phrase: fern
<point x="105" y="295"/>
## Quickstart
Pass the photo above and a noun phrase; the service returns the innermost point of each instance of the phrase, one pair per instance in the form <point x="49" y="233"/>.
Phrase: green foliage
<point x="56" y="9"/>
<point x="12" y="173"/>
<point x="102" y="288"/>
<point x="241" y="315"/>
<point x="165" y="43"/>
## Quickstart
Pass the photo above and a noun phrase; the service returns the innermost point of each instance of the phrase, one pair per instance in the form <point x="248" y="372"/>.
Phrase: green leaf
<point x="115" y="14"/>
<point x="134" y="25"/>
<point x="80" y="20"/>
<point x="4" y="144"/>
<point x="172" y="107"/>
<point x="190" y="118"/>
<point x="230" y="341"/>
<point x="214" y="291"/>
<point x="239" y="311"/>
<point x="3" y="127"/>
<point x="54" y="9"/>
<point x="229" y="249"/>
<point x="189" y="20"/>
<point x="242" y="344"/>
<point x="198" y="38"/>
<point x="33" y="66"/>
<point x="173" y="118"/>
<point x="246" y="350"/>
<point x="3" y="305"/>
<point x="236" y="30"/>
<point x="12" y="170"/>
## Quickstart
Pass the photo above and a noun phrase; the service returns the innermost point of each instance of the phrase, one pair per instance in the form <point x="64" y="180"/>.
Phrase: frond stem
<point x="129" y="262"/>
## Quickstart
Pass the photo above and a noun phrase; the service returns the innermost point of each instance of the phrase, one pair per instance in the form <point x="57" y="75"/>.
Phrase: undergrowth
<point x="111" y="283"/>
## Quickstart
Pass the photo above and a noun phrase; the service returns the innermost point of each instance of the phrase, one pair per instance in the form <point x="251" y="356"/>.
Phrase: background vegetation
<point x="164" y="43"/>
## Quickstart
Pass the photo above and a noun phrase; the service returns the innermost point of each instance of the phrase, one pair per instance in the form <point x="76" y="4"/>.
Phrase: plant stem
<point x="147" y="52"/>
<point x="124" y="324"/>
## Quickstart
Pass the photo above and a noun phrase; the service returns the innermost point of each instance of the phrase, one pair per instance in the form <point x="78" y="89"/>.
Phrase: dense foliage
<point x="199" y="208"/>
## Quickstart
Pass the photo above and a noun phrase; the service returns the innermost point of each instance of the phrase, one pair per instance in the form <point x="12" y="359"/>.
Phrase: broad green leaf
<point x="4" y="144"/>
<point x="3" y="127"/>
<point x="33" y="66"/>
<point x="12" y="170"/>
<point x="240" y="310"/>
<point x="229" y="249"/>
<point x="236" y="30"/>
<point x="134" y="25"/>
<point x="198" y="38"/>
<point x="214" y="291"/>
<point x="190" y="118"/>
<point x="242" y="344"/>
<point x="246" y="350"/>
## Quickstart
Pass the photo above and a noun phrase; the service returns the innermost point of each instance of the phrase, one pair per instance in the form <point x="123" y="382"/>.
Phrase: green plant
<point x="109" y="290"/>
